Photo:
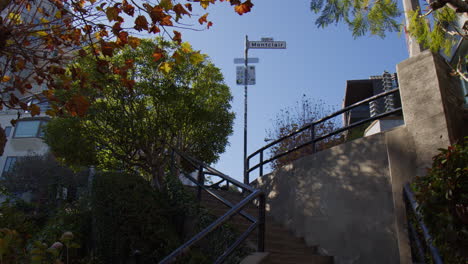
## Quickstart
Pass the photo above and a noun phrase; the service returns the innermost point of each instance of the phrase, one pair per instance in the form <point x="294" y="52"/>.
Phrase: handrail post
<point x="260" y="171"/>
<point x="246" y="171"/>
<point x="201" y="182"/>
<point x="261" y="225"/>
<point x="312" y="136"/>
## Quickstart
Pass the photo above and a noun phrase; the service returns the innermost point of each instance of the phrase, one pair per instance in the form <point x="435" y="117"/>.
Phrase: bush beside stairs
<point x="282" y="246"/>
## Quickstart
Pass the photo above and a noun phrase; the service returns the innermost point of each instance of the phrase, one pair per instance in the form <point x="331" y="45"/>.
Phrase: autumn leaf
<point x="189" y="6"/>
<point x="209" y="24"/>
<point x="134" y="42"/>
<point x="154" y="29"/>
<point x="202" y="19"/>
<point x="177" y="37"/>
<point x="122" y="38"/>
<point x="180" y="10"/>
<point x="206" y="3"/>
<point x="35" y="110"/>
<point x="112" y="13"/>
<point x="165" y="67"/>
<point x="141" y="23"/>
<point x="107" y="49"/>
<point x="6" y="78"/>
<point x="127" y="8"/>
<point x="157" y="55"/>
<point x="244" y="7"/>
<point x="166" y="4"/>
<point x="186" y="47"/>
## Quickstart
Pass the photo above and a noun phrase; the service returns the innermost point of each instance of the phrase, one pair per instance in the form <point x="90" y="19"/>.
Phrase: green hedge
<point x="129" y="215"/>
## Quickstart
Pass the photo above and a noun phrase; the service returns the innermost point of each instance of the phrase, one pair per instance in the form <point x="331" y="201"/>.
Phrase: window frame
<point x="9" y="167"/>
<point x="42" y="122"/>
<point x="8" y="131"/>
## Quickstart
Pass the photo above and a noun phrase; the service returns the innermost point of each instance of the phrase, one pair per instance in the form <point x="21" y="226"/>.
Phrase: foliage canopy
<point x="132" y="124"/>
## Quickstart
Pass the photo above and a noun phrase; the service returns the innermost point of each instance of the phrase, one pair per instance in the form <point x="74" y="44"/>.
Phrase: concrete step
<point x="284" y="247"/>
<point x="277" y="258"/>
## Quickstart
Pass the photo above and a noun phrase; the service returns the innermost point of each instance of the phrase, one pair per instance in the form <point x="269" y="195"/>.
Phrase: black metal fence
<point x="421" y="241"/>
<point x="313" y="138"/>
<point x="250" y="195"/>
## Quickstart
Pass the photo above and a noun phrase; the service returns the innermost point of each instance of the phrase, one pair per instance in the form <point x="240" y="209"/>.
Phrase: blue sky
<point x="317" y="62"/>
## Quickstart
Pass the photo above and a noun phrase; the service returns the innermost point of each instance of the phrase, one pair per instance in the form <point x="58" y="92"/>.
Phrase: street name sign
<point x="266" y="44"/>
<point x="240" y="75"/>
<point x="249" y="60"/>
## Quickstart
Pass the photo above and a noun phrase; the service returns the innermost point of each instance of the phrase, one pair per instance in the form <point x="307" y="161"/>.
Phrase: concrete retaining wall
<point x="342" y="199"/>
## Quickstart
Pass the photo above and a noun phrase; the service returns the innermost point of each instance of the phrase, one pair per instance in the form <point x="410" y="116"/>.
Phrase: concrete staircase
<point x="283" y="247"/>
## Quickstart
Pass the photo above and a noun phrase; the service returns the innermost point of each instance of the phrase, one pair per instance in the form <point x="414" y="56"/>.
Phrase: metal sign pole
<point x="246" y="178"/>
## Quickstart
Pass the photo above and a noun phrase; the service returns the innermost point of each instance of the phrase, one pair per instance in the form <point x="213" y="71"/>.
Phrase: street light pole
<point x="246" y="178"/>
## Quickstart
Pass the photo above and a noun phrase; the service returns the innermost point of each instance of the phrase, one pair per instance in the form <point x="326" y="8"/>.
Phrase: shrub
<point x="443" y="202"/>
<point x="130" y="215"/>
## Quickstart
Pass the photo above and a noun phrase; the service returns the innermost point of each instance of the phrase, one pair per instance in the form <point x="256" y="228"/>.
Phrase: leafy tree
<point x="38" y="38"/>
<point x="132" y="124"/>
<point x="291" y="119"/>
<point x="436" y="29"/>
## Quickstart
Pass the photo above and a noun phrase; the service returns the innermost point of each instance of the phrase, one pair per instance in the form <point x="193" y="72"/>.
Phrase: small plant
<point x="443" y="202"/>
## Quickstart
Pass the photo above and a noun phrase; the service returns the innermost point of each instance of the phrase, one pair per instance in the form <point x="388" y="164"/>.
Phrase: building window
<point x="30" y="128"/>
<point x="7" y="131"/>
<point x="9" y="163"/>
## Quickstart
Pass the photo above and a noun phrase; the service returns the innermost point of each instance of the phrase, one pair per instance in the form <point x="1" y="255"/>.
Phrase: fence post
<point x="261" y="164"/>
<point x="312" y="136"/>
<point x="261" y="226"/>
<point x="201" y="182"/>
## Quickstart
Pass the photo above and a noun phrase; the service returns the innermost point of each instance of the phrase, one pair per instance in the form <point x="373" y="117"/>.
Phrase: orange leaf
<point x="154" y="29"/>
<point x="209" y="24"/>
<point x="157" y="55"/>
<point x="202" y="19"/>
<point x="122" y="39"/>
<point x="166" y="21"/>
<point x="134" y="42"/>
<point x="177" y="37"/>
<point x="35" y="110"/>
<point x="6" y="78"/>
<point x="244" y="7"/>
<point x="189" y="6"/>
<point x="141" y="23"/>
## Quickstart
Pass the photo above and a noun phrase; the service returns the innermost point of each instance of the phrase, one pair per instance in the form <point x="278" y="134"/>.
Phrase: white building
<point x="23" y="139"/>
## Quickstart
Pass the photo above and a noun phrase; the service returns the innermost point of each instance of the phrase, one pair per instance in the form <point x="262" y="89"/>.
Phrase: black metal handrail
<point x="258" y="223"/>
<point x="313" y="138"/>
<point x="412" y="206"/>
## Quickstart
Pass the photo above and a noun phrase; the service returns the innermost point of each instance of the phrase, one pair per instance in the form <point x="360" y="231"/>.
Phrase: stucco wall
<point x="19" y="147"/>
<point x="341" y="199"/>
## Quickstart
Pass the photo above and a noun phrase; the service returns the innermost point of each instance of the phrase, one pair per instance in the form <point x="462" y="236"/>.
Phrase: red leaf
<point x="180" y="10"/>
<point x="122" y="39"/>
<point x="177" y="37"/>
<point x="127" y="8"/>
<point x="209" y="24"/>
<point x="189" y="6"/>
<point x="141" y="23"/>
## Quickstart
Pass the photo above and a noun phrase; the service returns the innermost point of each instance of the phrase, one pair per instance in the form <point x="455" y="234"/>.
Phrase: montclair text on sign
<point x="267" y="44"/>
